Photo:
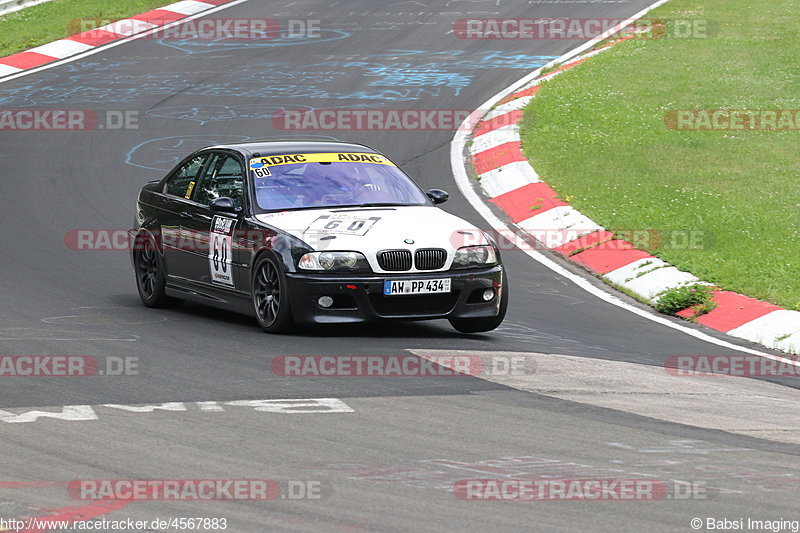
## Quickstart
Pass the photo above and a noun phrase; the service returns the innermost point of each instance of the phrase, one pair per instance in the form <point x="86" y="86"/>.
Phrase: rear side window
<point x="182" y="182"/>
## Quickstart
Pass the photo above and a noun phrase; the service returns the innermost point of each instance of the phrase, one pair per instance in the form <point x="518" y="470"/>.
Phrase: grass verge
<point x="598" y="134"/>
<point x="41" y="24"/>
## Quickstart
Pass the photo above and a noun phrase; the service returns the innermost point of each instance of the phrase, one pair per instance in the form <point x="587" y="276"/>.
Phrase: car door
<point x="217" y="260"/>
<point x="175" y="210"/>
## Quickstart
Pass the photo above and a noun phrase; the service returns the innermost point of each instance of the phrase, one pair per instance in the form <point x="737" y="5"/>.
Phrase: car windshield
<point x="299" y="181"/>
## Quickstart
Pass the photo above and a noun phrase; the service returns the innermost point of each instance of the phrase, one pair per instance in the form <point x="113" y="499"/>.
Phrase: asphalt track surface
<point x="389" y="464"/>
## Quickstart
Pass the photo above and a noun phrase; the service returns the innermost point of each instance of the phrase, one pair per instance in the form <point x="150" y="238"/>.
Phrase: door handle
<point x="186" y="214"/>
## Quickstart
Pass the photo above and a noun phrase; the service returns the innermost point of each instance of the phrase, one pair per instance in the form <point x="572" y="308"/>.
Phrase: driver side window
<point x="224" y="177"/>
<point x="182" y="182"/>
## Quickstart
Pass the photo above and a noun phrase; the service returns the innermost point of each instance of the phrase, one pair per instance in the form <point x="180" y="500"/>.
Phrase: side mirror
<point x="438" y="196"/>
<point x="224" y="205"/>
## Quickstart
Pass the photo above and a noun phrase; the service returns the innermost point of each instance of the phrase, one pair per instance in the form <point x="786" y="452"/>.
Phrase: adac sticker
<point x="260" y="163"/>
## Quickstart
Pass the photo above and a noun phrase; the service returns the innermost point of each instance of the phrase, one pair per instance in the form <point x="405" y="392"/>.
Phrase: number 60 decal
<point x="220" y="250"/>
<point x="342" y="224"/>
<point x="220" y="254"/>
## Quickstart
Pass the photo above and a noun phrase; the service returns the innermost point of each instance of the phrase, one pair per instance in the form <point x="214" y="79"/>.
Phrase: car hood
<point x="370" y="230"/>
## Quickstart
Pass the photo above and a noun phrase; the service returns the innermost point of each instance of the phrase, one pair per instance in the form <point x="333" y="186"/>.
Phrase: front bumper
<point x="360" y="298"/>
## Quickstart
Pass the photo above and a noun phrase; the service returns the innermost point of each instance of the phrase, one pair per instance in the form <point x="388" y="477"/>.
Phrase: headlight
<point x="474" y="256"/>
<point x="334" y="261"/>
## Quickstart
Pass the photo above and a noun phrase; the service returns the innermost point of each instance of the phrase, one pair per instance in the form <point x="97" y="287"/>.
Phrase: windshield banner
<point x="334" y="157"/>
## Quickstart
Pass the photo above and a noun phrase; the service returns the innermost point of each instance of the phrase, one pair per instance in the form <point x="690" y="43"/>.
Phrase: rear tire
<point x="151" y="281"/>
<point x="271" y="296"/>
<point x="478" y="325"/>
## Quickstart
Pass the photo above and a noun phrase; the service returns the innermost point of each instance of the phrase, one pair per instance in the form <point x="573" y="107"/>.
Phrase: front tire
<point x="151" y="280"/>
<point x="478" y="325"/>
<point x="271" y="296"/>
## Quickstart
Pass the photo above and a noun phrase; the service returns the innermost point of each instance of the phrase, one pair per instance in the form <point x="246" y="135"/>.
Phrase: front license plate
<point x="415" y="286"/>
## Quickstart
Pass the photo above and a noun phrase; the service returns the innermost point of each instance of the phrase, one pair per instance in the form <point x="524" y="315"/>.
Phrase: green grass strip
<point x="726" y="202"/>
<point x="41" y="24"/>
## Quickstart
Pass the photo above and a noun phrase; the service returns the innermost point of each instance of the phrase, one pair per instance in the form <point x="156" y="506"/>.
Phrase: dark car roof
<point x="264" y="148"/>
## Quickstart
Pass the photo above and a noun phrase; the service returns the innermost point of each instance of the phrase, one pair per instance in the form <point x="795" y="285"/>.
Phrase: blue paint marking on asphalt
<point x="164" y="153"/>
<point x="462" y="59"/>
<point x="195" y="46"/>
<point x="203" y="114"/>
<point x="441" y="74"/>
